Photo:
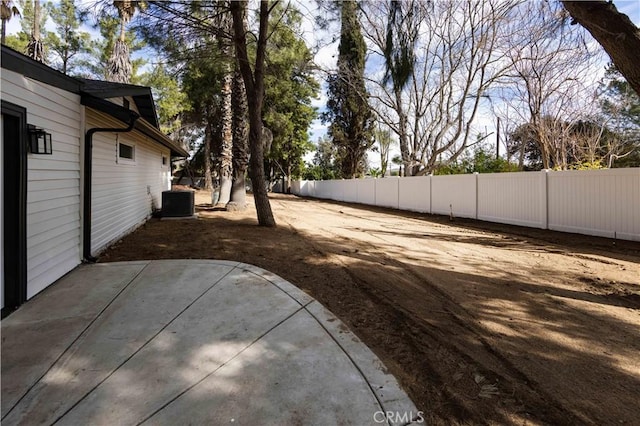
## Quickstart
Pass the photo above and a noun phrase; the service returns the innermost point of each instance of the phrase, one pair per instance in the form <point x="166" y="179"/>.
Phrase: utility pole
<point x="498" y="138"/>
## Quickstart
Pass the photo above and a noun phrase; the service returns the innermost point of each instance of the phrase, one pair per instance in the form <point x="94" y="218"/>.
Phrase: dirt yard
<point x="481" y="323"/>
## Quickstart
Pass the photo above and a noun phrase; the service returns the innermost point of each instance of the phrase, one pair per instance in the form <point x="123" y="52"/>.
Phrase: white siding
<point x="123" y="194"/>
<point x="1" y="214"/>
<point x="53" y="181"/>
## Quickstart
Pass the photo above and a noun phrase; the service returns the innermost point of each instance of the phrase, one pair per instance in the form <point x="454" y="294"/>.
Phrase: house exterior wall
<point x="124" y="193"/>
<point x="1" y="215"/>
<point x="53" y="181"/>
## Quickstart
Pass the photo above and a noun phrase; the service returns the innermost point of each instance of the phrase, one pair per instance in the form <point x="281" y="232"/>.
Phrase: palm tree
<point x="7" y="11"/>
<point x="119" y="67"/>
<point x="240" y="110"/>
<point x="35" y="48"/>
<point x="226" y="113"/>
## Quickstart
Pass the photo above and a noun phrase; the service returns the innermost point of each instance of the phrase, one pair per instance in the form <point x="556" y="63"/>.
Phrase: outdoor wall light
<point x="39" y="141"/>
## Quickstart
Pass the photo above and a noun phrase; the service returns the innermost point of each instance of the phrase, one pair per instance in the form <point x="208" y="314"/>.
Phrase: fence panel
<point x="387" y="192"/>
<point x="454" y="193"/>
<point x="338" y="190"/>
<point x="414" y="194"/>
<point x="331" y="184"/>
<point x="322" y="189"/>
<point x="367" y="191"/>
<point x="514" y="198"/>
<point x="350" y="190"/>
<point x="296" y="187"/>
<point x="596" y="202"/>
<point x="303" y="189"/>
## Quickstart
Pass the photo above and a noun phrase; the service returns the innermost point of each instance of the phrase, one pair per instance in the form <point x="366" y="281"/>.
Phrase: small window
<point x="125" y="103"/>
<point x="126" y="152"/>
<point x="164" y="160"/>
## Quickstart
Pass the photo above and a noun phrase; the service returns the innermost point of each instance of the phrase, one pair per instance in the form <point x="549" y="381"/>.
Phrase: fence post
<point x="431" y="193"/>
<point x="398" y="194"/>
<point x="545" y="199"/>
<point x="476" y="182"/>
<point x="375" y="191"/>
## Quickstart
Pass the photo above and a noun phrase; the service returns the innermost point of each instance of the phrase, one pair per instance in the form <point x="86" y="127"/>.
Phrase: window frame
<point x="126" y="160"/>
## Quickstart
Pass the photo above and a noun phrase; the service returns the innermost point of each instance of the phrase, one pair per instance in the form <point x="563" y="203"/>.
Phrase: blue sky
<point x="326" y="56"/>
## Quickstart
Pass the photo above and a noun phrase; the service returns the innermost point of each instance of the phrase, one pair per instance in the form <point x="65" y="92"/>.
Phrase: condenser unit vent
<point x="178" y="203"/>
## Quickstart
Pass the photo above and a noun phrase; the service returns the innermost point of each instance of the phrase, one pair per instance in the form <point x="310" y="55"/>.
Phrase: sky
<point x="326" y="58"/>
<point x="325" y="44"/>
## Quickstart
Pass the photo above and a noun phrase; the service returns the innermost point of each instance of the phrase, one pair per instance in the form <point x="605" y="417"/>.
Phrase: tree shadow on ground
<point x="468" y="347"/>
<point x="186" y="357"/>
<point x="543" y="239"/>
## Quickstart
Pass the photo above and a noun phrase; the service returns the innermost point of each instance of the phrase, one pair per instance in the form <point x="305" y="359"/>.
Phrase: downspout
<point x="88" y="157"/>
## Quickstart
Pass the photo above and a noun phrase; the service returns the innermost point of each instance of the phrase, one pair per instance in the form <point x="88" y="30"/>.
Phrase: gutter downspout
<point x="88" y="167"/>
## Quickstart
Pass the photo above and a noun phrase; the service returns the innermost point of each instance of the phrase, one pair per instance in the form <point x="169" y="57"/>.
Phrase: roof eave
<point x="148" y="129"/>
<point x="142" y="125"/>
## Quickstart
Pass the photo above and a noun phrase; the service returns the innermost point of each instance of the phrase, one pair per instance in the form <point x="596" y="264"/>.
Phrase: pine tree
<point x="68" y="41"/>
<point x="348" y="109"/>
<point x="253" y="78"/>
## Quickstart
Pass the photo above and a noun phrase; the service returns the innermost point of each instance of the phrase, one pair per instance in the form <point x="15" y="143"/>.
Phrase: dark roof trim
<point x="148" y="129"/>
<point x="109" y="89"/>
<point x="142" y="95"/>
<point x="92" y="94"/>
<point x="125" y="115"/>
<point x="147" y="108"/>
<point x="116" y="111"/>
<point x="21" y="64"/>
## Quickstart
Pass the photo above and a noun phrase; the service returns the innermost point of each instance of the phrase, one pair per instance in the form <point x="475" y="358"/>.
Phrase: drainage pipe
<point x="88" y="167"/>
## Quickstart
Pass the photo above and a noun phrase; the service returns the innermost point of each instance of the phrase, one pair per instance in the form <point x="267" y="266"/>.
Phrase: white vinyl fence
<point x="594" y="202"/>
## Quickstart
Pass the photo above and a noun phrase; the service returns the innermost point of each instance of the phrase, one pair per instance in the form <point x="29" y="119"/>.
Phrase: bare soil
<point x="481" y="323"/>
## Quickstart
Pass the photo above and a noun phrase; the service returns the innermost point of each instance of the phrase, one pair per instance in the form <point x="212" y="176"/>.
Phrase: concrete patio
<point x="188" y="342"/>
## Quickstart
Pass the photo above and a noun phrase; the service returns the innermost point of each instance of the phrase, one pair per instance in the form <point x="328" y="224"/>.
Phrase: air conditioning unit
<point x="178" y="203"/>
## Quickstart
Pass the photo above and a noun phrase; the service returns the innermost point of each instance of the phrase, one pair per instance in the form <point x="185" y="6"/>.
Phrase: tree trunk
<point x="402" y="135"/>
<point x="240" y="143"/>
<point x="254" y="84"/>
<point x="226" y="115"/>
<point x="287" y="183"/>
<point x="226" y="139"/>
<point x="4" y="30"/>
<point x="123" y="31"/>
<point x="615" y="32"/>
<point x="36" y="19"/>
<point x="523" y="147"/>
<point x="208" y="181"/>
<point x="35" y="47"/>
